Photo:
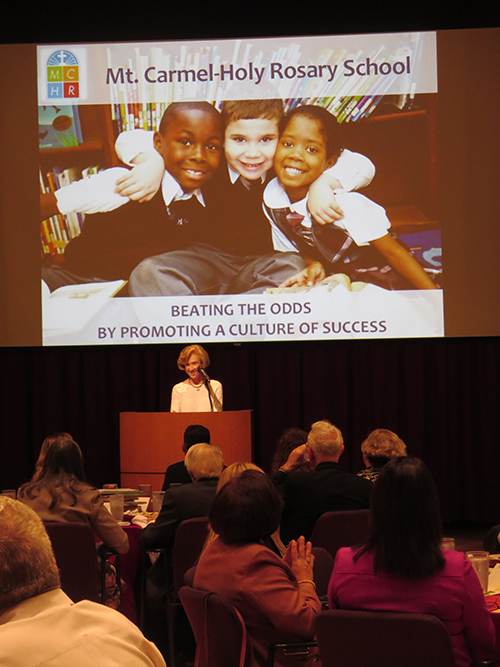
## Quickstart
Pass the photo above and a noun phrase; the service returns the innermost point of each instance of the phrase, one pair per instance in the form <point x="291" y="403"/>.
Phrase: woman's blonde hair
<point x="383" y="444"/>
<point x="188" y="351"/>
<point x="231" y="472"/>
<point x="234" y="470"/>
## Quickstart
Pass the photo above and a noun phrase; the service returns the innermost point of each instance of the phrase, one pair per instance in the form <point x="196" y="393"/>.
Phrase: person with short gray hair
<point x="39" y="624"/>
<point x="308" y="495"/>
<point x="176" y="473"/>
<point x="204" y="463"/>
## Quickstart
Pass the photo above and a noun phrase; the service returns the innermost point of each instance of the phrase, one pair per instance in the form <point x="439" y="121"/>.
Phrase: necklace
<point x="196" y="386"/>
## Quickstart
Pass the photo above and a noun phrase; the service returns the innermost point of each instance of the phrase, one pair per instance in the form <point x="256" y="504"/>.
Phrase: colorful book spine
<point x="57" y="231"/>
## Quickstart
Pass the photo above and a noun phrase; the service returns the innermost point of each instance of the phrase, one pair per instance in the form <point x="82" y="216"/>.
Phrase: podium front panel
<point x="151" y="441"/>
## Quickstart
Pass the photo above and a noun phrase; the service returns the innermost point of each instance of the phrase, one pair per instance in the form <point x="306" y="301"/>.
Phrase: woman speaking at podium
<point x="198" y="393"/>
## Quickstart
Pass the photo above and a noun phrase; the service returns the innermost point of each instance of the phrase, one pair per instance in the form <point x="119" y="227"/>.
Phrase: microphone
<point x="204" y="375"/>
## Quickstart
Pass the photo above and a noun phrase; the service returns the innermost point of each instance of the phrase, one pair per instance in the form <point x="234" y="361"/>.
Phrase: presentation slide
<point x="267" y="189"/>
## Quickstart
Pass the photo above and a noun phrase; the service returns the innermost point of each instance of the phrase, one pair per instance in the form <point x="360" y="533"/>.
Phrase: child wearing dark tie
<point x="119" y="233"/>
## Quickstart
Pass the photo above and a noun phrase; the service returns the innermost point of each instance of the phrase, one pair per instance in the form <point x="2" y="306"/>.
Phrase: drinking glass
<point x="116" y="503"/>
<point x="480" y="561"/>
<point x="448" y="544"/>
<point x="157" y="500"/>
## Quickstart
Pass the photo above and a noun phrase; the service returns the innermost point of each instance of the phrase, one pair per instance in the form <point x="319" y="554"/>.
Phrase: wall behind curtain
<point x="440" y="396"/>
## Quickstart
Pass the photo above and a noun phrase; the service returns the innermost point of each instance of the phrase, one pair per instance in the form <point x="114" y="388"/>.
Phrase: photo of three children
<point x="243" y="200"/>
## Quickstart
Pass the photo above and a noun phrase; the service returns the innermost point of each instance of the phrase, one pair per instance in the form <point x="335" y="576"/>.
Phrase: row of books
<point x="147" y="116"/>
<point x="57" y="231"/>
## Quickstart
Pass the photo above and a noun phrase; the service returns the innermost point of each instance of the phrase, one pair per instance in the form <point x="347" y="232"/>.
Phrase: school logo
<point x="63" y="75"/>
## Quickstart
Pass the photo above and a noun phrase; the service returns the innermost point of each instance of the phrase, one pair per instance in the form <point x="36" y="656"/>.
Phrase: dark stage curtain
<point x="440" y="396"/>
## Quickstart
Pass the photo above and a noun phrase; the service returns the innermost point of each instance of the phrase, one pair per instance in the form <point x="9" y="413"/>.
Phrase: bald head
<point x="325" y="441"/>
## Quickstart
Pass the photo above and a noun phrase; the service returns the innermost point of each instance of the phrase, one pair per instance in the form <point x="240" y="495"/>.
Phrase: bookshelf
<point x="96" y="150"/>
<point x="402" y="145"/>
<point x="97" y="145"/>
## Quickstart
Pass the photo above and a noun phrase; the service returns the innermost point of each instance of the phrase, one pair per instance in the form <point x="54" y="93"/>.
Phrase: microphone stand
<point x="206" y="381"/>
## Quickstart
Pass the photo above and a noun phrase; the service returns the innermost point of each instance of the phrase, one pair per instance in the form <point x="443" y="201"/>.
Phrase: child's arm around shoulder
<point x="351" y="172"/>
<point x="136" y="149"/>
<point x="130" y="143"/>
<point x="94" y="194"/>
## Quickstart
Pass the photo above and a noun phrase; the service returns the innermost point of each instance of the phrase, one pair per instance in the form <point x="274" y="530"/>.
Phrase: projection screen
<point x="250" y="256"/>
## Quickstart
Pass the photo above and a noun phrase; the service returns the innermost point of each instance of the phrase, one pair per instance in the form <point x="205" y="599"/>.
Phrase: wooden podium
<point x="151" y="441"/>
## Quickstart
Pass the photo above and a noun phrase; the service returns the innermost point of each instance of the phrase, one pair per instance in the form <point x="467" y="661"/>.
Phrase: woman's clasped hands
<point x="300" y="559"/>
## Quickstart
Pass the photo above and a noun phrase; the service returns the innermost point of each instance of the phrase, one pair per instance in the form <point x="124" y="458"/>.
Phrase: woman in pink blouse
<point x="402" y="568"/>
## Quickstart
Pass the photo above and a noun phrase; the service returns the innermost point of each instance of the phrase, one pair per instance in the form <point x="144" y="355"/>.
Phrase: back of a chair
<point x="323" y="568"/>
<point x="190" y="537"/>
<point x="382" y="639"/>
<point x="75" y="553"/>
<point x="189" y="576"/>
<point x="334" y="530"/>
<point x="219" y="630"/>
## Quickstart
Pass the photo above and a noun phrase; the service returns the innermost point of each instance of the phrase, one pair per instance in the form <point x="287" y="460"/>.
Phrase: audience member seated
<point x="289" y="440"/>
<point x="39" y="624"/>
<point x="276" y="597"/>
<point x="58" y="492"/>
<point x="402" y="568"/>
<point x="327" y="488"/>
<point x="274" y="541"/>
<point x="177" y="472"/>
<point x="378" y="449"/>
<point x="47" y="444"/>
<point x="204" y="464"/>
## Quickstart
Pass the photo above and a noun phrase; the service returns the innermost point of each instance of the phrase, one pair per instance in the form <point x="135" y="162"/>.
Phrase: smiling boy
<point x="118" y="233"/>
<point x="189" y="142"/>
<point x="235" y="194"/>
<point x="233" y="251"/>
<point x="249" y="146"/>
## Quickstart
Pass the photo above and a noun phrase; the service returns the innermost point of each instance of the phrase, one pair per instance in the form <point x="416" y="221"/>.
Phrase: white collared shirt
<point x="363" y="220"/>
<point x="172" y="191"/>
<point x="96" y="194"/>
<point x="50" y="630"/>
<point x="234" y="175"/>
